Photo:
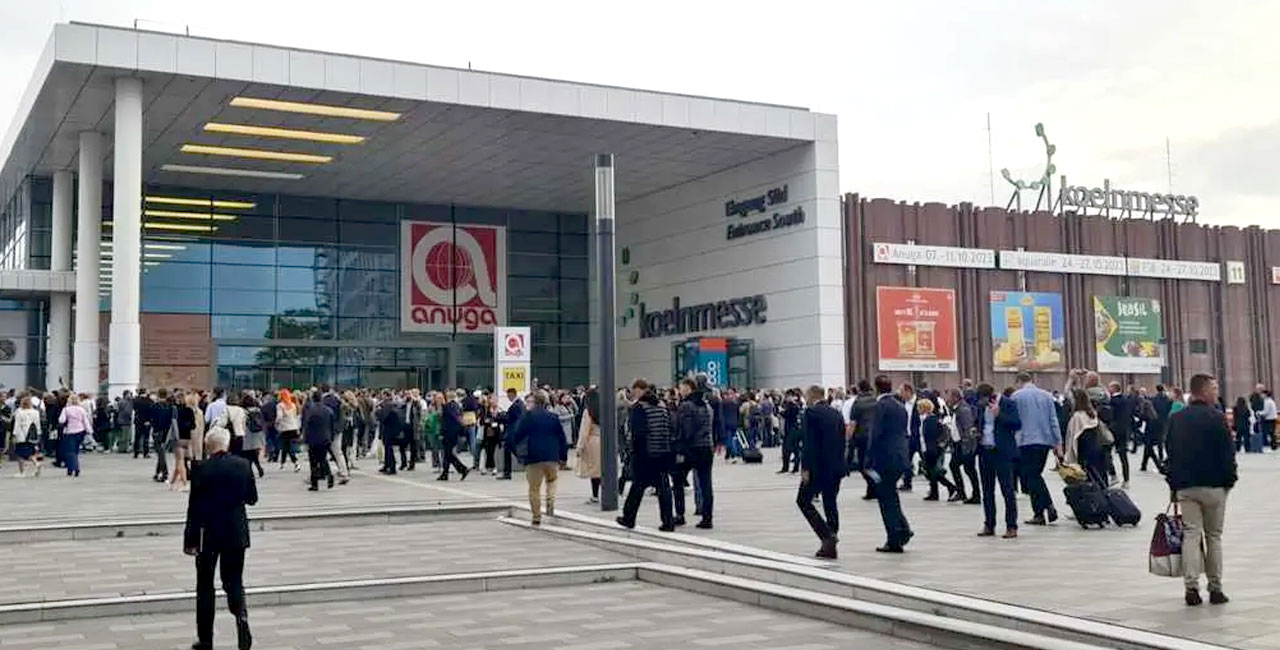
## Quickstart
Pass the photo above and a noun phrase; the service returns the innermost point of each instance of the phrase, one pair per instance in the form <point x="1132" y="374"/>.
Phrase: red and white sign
<point x="511" y="344"/>
<point x="453" y="277"/>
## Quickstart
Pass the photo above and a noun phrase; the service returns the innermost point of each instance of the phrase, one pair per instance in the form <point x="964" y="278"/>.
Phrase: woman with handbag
<point x="936" y="440"/>
<point x="26" y="437"/>
<point x="1085" y="441"/>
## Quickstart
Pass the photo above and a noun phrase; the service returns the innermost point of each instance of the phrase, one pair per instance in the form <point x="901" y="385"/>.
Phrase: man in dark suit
<point x="1123" y="406"/>
<point x="317" y="428"/>
<point x="217" y="530"/>
<point x="514" y="413"/>
<point x="1153" y="443"/>
<point x="451" y="430"/>
<point x="887" y="459"/>
<point x="822" y="463"/>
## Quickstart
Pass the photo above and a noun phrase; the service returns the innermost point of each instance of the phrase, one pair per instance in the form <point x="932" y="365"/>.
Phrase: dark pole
<point x="607" y="383"/>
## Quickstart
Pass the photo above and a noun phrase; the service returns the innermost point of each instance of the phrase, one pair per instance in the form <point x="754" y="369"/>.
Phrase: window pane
<point x="308" y="206"/>
<point x="575" y="355"/>
<point x="372" y="234"/>
<point x="241" y="301"/>
<point x="233" y="276"/>
<point x="530" y="220"/>
<point x="239" y="355"/>
<point x="176" y="300"/>
<point x="256" y="228"/>
<point x="369" y="329"/>
<point x="303" y="301"/>
<point x="181" y="250"/>
<point x="303" y="255"/>
<point x="531" y="242"/>
<point x="241" y="327"/>
<point x="294" y="278"/>
<point x="308" y="230"/>
<point x="177" y="276"/>
<point x="357" y="303"/>
<point x="371" y="259"/>
<point x="244" y="253"/>
<point x="367" y="211"/>
<point x="358" y="280"/>
<point x="529" y="264"/>
<point x="573" y="244"/>
<point x="303" y="327"/>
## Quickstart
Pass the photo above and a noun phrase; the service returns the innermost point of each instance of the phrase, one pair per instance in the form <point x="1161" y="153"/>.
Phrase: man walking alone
<point x="822" y="463"/>
<point x="217" y="531"/>
<point x="887" y="457"/>
<point x="1202" y="471"/>
<point x="652" y="455"/>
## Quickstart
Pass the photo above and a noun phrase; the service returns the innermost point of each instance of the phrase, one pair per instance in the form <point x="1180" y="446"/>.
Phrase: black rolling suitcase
<point x="750" y="455"/>
<point x="1121" y="508"/>
<point x="1089" y="503"/>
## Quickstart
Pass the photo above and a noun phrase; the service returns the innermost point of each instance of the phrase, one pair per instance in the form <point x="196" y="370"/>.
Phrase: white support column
<point x="88" y="249"/>
<point x="57" y="370"/>
<point x="125" y="361"/>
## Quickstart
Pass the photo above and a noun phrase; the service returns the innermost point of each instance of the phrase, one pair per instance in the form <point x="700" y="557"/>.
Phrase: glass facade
<point x="296" y="290"/>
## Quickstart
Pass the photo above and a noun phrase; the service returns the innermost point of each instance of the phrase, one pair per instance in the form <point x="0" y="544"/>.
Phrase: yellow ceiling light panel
<point x="258" y="154"/>
<point x="315" y="109"/>
<point x="203" y="203"/>
<point x="185" y="227"/>
<point x="171" y="214"/>
<point x="277" y="132"/>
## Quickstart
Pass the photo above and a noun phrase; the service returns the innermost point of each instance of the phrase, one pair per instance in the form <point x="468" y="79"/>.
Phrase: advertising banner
<point x="512" y="355"/>
<point x="1128" y="334"/>
<point x="1027" y="331"/>
<point x="453" y="277"/>
<point x="713" y="360"/>
<point x="916" y="328"/>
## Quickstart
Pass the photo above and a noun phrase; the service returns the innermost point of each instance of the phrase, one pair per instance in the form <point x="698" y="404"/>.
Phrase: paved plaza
<point x="1100" y="574"/>
<point x="625" y="616"/>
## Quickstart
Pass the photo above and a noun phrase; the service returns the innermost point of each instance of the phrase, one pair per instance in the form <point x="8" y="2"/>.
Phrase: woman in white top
<point x="26" y="436"/>
<point x="288" y="422"/>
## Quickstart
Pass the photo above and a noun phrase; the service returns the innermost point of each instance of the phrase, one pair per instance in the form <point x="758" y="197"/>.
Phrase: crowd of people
<point x="980" y="443"/>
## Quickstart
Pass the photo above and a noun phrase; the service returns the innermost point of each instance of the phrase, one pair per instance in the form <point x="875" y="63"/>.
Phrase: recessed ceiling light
<point x="315" y="109"/>
<point x="162" y="225"/>
<point x="204" y="203"/>
<point x="276" y="132"/>
<point x="230" y="171"/>
<point x="164" y="247"/>
<point x="157" y="256"/>
<point x="189" y="215"/>
<point x="258" y="154"/>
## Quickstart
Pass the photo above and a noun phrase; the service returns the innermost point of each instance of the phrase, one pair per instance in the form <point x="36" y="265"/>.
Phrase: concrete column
<point x="88" y="249"/>
<point x="125" y="361"/>
<point x="58" y="360"/>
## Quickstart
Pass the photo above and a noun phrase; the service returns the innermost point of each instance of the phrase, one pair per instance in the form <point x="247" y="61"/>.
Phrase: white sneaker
<point x="1124" y="486"/>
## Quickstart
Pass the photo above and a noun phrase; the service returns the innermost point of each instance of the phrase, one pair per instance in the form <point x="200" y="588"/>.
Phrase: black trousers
<point x="162" y="464"/>
<point x="932" y="468"/>
<point x="1031" y="460"/>
<point x="319" y="457"/>
<point x="507" y="461"/>
<point x="896" y="527"/>
<point x="451" y="460"/>
<point x="489" y="446"/>
<point x="790" y="450"/>
<point x="650" y="473"/>
<point x="700" y="461"/>
<point x="389" y="455"/>
<point x="232" y="570"/>
<point x="824" y="529"/>
<point x="997" y="469"/>
<point x="1121" y="449"/>
<point x="141" y="439"/>
<point x="1152" y="450"/>
<point x="857" y="458"/>
<point x="966" y="462"/>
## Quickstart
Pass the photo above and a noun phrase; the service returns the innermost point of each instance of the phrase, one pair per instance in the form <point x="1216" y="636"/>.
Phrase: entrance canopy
<point x="256" y="118"/>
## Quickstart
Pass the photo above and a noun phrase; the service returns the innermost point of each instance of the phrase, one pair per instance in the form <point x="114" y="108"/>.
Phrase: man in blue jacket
<point x="547" y="451"/>
<point x="887" y="458"/>
<point x="1039" y="435"/>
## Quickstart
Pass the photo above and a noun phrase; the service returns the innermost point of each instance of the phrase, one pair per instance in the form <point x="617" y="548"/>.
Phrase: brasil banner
<point x="1127" y="332"/>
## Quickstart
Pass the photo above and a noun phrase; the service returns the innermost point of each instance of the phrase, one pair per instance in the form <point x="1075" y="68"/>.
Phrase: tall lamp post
<point x="606" y="383"/>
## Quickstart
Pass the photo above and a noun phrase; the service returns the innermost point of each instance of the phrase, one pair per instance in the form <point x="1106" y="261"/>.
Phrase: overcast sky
<point x="911" y="81"/>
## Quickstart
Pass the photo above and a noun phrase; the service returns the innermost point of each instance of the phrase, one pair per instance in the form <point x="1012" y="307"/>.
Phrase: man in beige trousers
<point x="1201" y="473"/>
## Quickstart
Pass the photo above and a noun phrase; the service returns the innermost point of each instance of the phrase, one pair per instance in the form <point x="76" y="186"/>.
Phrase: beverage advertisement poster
<point x="916" y="329"/>
<point x="1128" y="332"/>
<point x="1027" y="331"/>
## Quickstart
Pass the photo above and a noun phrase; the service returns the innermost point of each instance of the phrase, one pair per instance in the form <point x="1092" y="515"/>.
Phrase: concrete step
<point x="837" y="584"/>
<point x="279" y="520"/>
<point x="408" y="586"/>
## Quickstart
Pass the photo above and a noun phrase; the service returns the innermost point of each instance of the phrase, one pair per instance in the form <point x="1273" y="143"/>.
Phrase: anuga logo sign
<point x="454" y="277"/>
